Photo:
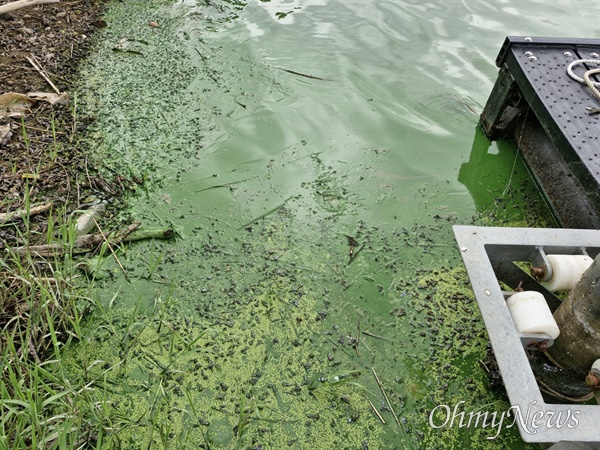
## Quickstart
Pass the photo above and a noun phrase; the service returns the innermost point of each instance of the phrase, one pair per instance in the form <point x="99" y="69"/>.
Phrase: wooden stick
<point x="150" y="233"/>
<point x="22" y="4"/>
<point x="365" y="344"/>
<point x="376" y="412"/>
<point x="85" y="243"/>
<point x="38" y="279"/>
<point x="42" y="72"/>
<point x="300" y="74"/>
<point x="262" y="216"/>
<point x="354" y="254"/>
<point x="368" y="333"/>
<point x="21" y="213"/>
<point x="82" y="244"/>
<point x="356" y="344"/>
<point x="123" y="234"/>
<point x="385" y="396"/>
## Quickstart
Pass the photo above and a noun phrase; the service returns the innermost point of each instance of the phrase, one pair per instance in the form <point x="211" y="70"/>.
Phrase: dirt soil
<point x="39" y="158"/>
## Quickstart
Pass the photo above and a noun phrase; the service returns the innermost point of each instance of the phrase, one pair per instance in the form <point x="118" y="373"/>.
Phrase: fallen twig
<point x="42" y="72"/>
<point x="149" y="233"/>
<point x="367" y="347"/>
<point x="215" y="186"/>
<point x="465" y="104"/>
<point x="87" y="242"/>
<point x="37" y="279"/>
<point x="376" y="412"/>
<point x="81" y="245"/>
<point x="354" y="254"/>
<point x="305" y="75"/>
<point x="262" y="216"/>
<point x="127" y="231"/>
<point x="385" y="396"/>
<point x="22" y="4"/>
<point x="25" y="212"/>
<point x="368" y="333"/>
<point x="357" y="337"/>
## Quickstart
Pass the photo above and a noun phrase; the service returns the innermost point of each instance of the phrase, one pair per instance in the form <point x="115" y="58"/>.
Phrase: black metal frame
<point x="543" y="110"/>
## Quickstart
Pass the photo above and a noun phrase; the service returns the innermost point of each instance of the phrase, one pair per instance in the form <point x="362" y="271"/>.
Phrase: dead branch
<point x="87" y="242"/>
<point x="20" y="213"/>
<point x="22" y="4"/>
<point x="36" y="65"/>
<point x="385" y="396"/>
<point x="81" y="245"/>
<point x="130" y="229"/>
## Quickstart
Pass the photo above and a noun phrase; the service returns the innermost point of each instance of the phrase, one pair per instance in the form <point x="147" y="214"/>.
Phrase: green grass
<point x="40" y="313"/>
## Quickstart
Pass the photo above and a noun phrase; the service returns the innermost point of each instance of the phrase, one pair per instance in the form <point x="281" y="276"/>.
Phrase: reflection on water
<point x="267" y="133"/>
<point x="498" y="181"/>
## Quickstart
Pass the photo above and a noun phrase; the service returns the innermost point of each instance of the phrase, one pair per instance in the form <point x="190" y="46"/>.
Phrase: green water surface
<point x="266" y="133"/>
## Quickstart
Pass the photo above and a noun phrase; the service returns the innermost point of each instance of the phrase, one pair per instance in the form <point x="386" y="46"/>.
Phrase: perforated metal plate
<point x="483" y="247"/>
<point x="545" y="112"/>
<point x="559" y="101"/>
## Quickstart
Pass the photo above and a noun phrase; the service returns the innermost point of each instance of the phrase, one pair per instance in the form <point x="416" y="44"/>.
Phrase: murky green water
<point x="266" y="134"/>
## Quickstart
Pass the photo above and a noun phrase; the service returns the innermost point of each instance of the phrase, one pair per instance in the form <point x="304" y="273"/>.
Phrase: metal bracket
<point x="536" y="341"/>
<point x="541" y="267"/>
<point x="483" y="248"/>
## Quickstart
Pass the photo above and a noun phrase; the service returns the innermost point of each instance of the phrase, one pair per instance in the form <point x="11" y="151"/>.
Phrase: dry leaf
<point x="13" y="104"/>
<point x="50" y="97"/>
<point x="5" y="133"/>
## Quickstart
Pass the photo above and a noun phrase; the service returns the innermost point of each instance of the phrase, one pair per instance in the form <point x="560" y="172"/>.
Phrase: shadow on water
<point x="499" y="183"/>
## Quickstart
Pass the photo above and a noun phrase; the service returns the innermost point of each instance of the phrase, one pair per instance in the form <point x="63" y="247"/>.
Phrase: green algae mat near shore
<point x="314" y="297"/>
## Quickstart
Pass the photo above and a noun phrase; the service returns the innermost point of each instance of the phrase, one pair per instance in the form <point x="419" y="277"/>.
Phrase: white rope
<point x="590" y="83"/>
<point x="593" y="85"/>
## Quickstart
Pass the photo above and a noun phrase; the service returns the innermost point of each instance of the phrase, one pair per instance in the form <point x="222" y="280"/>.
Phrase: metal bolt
<point x="593" y="379"/>
<point x="543" y="346"/>
<point x="538" y="272"/>
<point x="533" y="58"/>
<point x="528" y="39"/>
<point x="567" y="54"/>
<point x="594" y="55"/>
<point x="528" y="54"/>
<point x="487" y="292"/>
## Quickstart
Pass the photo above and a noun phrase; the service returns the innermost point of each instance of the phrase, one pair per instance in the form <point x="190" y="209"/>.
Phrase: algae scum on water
<point x="314" y="297"/>
<point x="255" y="374"/>
<point x="276" y="341"/>
<point x="245" y="367"/>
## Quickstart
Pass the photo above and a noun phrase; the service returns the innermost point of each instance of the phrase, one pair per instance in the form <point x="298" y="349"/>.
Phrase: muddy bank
<point x="41" y="49"/>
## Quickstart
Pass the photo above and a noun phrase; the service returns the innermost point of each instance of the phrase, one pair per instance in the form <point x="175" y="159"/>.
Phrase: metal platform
<point x="551" y="119"/>
<point x="489" y="255"/>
